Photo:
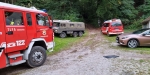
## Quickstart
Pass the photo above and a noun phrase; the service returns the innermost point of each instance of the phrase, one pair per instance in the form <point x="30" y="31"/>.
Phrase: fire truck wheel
<point x="62" y="35"/>
<point x="36" y="57"/>
<point x="80" y="34"/>
<point x="75" y="34"/>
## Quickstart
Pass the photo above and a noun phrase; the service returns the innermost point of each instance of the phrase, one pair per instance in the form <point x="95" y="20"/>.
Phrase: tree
<point x="90" y="11"/>
<point x="144" y="9"/>
<point x="123" y="9"/>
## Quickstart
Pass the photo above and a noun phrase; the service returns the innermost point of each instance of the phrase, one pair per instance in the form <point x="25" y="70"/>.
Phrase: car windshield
<point x="116" y="24"/>
<point x="139" y="31"/>
<point x="55" y="24"/>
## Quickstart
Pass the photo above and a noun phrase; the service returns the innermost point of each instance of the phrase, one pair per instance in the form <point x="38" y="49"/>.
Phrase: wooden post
<point x="12" y="1"/>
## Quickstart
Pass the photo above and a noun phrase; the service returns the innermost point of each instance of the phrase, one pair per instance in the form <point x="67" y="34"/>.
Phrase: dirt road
<point x="93" y="56"/>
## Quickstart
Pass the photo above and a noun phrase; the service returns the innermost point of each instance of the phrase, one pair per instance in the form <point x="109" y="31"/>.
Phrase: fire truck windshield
<point x="116" y="24"/>
<point x="55" y="24"/>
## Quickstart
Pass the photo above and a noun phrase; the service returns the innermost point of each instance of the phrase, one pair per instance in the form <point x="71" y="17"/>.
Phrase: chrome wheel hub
<point x="132" y="43"/>
<point x="37" y="57"/>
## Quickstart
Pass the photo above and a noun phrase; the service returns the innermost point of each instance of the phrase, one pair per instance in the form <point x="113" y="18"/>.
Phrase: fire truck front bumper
<point x="50" y="46"/>
<point x="115" y="33"/>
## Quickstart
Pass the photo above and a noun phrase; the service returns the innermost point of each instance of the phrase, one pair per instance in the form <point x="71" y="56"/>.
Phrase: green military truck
<point x="64" y="28"/>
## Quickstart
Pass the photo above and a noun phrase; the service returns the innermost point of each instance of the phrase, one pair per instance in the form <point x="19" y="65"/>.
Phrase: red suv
<point x="112" y="27"/>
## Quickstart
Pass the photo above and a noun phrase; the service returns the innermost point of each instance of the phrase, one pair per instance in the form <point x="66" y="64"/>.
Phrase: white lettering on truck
<point x="3" y="44"/>
<point x="14" y="44"/>
<point x="20" y="42"/>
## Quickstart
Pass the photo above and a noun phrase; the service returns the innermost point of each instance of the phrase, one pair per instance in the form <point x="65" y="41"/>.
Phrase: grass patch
<point x="64" y="43"/>
<point x="110" y="38"/>
<point x="141" y="60"/>
<point x="128" y="31"/>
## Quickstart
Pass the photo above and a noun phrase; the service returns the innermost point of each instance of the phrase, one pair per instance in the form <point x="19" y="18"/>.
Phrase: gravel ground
<point x="89" y="57"/>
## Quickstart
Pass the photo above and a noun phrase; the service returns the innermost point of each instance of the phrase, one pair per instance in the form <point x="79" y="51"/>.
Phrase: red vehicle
<point x="25" y="35"/>
<point x="112" y="27"/>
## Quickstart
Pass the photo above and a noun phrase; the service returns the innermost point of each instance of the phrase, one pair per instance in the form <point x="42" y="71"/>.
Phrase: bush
<point x="137" y="24"/>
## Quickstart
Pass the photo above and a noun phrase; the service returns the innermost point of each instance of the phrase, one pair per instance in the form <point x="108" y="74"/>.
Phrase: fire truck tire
<point x="75" y="34"/>
<point x="80" y="34"/>
<point x="62" y="35"/>
<point x="36" y="57"/>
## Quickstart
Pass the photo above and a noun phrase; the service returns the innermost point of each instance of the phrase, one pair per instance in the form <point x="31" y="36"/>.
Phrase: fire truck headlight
<point x="55" y="30"/>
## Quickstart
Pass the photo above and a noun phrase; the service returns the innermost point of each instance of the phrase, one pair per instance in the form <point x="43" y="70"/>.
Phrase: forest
<point x="131" y="12"/>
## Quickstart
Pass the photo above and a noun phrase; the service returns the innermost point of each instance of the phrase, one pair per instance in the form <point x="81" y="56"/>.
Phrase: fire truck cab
<point x="112" y="27"/>
<point x="25" y="35"/>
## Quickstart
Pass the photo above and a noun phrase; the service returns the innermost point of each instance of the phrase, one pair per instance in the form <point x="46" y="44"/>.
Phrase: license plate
<point x="116" y="29"/>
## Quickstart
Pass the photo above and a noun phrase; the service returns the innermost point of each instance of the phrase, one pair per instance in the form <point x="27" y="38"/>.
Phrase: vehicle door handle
<point x="10" y="33"/>
<point x="38" y="31"/>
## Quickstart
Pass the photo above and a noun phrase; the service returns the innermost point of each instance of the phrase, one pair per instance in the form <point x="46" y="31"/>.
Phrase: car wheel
<point x="132" y="43"/>
<point x="75" y="34"/>
<point x="36" y="57"/>
<point x="101" y="32"/>
<point x="108" y="34"/>
<point x="62" y="35"/>
<point x="80" y="34"/>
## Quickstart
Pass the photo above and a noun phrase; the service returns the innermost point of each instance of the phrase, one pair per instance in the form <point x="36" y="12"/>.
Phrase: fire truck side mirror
<point x="50" y="27"/>
<point x="51" y="21"/>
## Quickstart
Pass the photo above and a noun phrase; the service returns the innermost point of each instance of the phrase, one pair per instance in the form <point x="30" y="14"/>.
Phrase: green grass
<point x="110" y="38"/>
<point x="141" y="50"/>
<point x="128" y="31"/>
<point x="64" y="43"/>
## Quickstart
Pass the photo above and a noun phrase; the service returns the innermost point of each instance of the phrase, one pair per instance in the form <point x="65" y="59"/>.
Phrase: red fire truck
<point x="25" y="35"/>
<point x="112" y="27"/>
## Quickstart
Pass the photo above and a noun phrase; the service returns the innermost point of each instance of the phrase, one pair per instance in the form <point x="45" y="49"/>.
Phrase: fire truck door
<point x="15" y="31"/>
<point x="105" y="27"/>
<point x="43" y="30"/>
<point x="15" y="38"/>
<point x="2" y="42"/>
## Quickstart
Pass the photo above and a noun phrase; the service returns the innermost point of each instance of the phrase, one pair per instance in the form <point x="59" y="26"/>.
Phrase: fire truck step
<point x="19" y="62"/>
<point x="16" y="55"/>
